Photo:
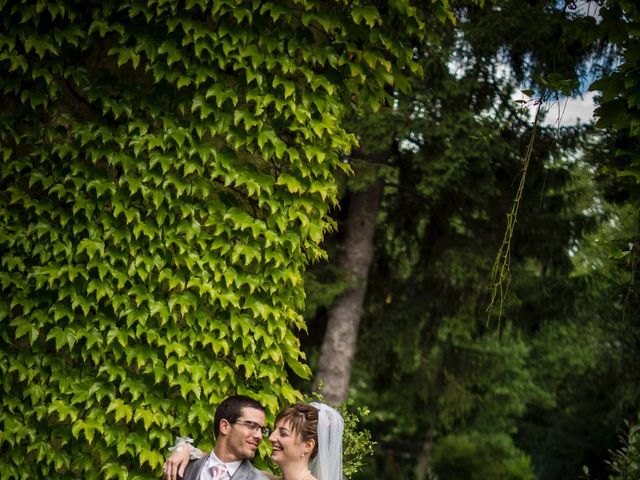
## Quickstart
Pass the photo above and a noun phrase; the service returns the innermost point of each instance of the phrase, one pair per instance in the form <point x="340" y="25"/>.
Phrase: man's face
<point x="243" y="437"/>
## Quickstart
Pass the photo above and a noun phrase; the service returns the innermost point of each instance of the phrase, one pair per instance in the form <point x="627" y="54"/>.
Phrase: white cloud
<point x="562" y="112"/>
<point x="570" y="111"/>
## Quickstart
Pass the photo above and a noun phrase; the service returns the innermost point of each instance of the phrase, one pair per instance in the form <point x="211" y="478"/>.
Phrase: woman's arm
<point x="177" y="462"/>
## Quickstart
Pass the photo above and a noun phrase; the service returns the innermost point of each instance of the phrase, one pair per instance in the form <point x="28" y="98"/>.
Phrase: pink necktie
<point x="218" y="472"/>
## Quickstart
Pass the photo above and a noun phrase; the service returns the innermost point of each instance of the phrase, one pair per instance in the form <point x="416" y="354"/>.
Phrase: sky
<point x="570" y="111"/>
<point x="564" y="112"/>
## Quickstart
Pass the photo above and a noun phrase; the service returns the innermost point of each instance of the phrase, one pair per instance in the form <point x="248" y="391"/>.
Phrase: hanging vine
<point x="501" y="270"/>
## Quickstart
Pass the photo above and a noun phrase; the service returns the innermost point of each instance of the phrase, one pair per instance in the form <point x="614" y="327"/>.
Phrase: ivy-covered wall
<point x="166" y="174"/>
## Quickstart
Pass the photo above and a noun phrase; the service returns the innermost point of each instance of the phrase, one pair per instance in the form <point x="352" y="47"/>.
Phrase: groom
<point x="239" y="427"/>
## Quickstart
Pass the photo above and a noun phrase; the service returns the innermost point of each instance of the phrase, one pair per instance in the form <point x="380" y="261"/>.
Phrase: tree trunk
<point x="339" y="344"/>
<point x="422" y="469"/>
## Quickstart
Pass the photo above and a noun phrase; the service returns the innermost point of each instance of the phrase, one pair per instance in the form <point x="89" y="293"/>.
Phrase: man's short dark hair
<point x="231" y="409"/>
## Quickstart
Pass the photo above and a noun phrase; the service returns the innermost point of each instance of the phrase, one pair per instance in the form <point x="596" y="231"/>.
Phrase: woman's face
<point x="287" y="444"/>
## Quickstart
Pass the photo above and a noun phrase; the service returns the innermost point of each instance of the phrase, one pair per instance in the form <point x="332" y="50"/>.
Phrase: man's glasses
<point x="254" y="426"/>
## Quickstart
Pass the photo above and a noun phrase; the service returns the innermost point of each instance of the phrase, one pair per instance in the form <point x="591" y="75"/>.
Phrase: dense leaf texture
<point x="618" y="109"/>
<point x="165" y="176"/>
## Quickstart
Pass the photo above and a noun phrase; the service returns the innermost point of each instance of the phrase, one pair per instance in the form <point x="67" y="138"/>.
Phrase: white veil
<point x="328" y="463"/>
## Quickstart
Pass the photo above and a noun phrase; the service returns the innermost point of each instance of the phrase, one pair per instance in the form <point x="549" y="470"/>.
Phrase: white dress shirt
<point x="212" y="461"/>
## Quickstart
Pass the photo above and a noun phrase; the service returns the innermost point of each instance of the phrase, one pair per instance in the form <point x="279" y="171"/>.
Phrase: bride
<point x="307" y="444"/>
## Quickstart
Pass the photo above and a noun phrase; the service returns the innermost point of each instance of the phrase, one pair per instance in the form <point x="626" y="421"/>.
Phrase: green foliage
<point x="166" y="174"/>
<point x="452" y="151"/>
<point x="475" y="456"/>
<point x="624" y="462"/>
<point x="323" y="286"/>
<point x="453" y="176"/>
<point x="618" y="113"/>
<point x="356" y="440"/>
<point x="618" y="108"/>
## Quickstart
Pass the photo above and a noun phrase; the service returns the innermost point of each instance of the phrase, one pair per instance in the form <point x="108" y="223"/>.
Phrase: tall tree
<point x="343" y="318"/>
<point x="338" y="349"/>
<point x="453" y="151"/>
<point x="489" y="40"/>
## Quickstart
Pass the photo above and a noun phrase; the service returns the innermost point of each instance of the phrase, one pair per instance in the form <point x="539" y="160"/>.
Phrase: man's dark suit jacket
<point x="244" y="472"/>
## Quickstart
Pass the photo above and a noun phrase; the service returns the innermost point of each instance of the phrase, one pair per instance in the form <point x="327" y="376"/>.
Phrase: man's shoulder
<point x="193" y="468"/>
